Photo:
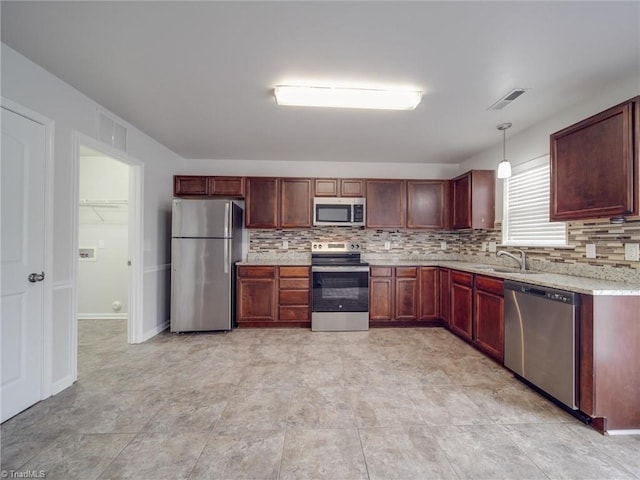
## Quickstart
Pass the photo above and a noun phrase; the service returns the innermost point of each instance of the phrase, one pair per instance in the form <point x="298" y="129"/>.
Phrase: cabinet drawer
<point x="294" y="314"/>
<point x="294" y="272"/>
<point x="462" y="278"/>
<point x="488" y="284"/>
<point x="294" y="283"/>
<point x="294" y="297"/>
<point x="257" y="272"/>
<point x="380" y="272"/>
<point x="411" y="272"/>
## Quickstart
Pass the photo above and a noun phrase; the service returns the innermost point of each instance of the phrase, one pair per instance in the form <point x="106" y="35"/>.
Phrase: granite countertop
<point x="572" y="283"/>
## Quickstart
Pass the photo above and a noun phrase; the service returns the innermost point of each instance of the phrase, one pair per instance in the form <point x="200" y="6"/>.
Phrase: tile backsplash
<point x="469" y="245"/>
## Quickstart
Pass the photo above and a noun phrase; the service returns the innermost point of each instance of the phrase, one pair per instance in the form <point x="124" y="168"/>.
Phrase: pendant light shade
<point x="504" y="167"/>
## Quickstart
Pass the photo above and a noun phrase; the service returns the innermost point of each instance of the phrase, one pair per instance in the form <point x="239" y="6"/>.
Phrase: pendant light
<point x="504" y="167"/>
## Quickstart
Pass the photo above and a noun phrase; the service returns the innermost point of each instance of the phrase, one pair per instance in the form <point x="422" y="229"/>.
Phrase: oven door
<point x="340" y="289"/>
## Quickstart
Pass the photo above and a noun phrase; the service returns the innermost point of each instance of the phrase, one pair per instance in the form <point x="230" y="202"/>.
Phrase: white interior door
<point x="22" y="235"/>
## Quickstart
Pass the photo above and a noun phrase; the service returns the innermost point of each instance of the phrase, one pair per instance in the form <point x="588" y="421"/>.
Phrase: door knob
<point x="36" y="277"/>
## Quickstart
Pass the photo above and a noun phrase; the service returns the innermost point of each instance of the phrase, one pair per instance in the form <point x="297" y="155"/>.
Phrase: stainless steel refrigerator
<point x="206" y="241"/>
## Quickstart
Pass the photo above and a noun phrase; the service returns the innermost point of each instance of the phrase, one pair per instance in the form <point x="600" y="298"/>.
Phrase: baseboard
<point x="154" y="331"/>
<point x="61" y="384"/>
<point x="103" y="316"/>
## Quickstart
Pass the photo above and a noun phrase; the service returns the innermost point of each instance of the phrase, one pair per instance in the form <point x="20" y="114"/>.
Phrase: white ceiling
<point x="198" y="76"/>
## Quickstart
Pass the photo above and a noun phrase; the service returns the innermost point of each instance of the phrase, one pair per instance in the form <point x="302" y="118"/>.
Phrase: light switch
<point x="493" y="247"/>
<point x="632" y="252"/>
<point x="285" y="244"/>
<point x="443" y="245"/>
<point x="387" y="245"/>
<point x="591" y="250"/>
<point x="100" y="243"/>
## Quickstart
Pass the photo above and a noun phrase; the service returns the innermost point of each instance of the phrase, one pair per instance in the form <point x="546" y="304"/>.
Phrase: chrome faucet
<point x="522" y="261"/>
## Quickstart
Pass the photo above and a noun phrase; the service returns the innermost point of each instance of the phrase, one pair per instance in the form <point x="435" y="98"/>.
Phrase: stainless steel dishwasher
<point x="540" y="332"/>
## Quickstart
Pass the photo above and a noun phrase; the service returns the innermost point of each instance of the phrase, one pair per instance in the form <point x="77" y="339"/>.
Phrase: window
<point x="526" y="207"/>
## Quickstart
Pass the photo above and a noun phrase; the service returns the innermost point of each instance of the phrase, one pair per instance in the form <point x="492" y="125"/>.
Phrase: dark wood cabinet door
<point x="406" y="294"/>
<point x="473" y="200"/>
<point x="351" y="187"/>
<point x="489" y="317"/>
<point x="226" y="186"/>
<point x="326" y="187"/>
<point x="386" y="201"/>
<point x="256" y="295"/>
<point x="381" y="298"/>
<point x="427" y="202"/>
<point x="461" y="201"/>
<point x="429" y="293"/>
<point x="594" y="165"/>
<point x="445" y="295"/>
<point x="261" y="202"/>
<point x="462" y="304"/>
<point x="295" y="202"/>
<point x="187" y="185"/>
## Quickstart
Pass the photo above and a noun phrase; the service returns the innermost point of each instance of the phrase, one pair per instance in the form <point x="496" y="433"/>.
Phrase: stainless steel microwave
<point x="349" y="212"/>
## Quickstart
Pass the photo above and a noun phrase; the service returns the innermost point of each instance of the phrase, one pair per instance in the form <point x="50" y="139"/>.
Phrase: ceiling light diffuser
<point x="347" y="97"/>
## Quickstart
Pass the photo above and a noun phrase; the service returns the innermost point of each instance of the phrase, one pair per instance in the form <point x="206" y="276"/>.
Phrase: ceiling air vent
<point x="507" y="99"/>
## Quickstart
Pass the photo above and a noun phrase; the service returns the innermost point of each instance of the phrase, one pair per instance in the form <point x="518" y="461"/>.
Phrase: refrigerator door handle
<point x="226" y="255"/>
<point x="227" y="218"/>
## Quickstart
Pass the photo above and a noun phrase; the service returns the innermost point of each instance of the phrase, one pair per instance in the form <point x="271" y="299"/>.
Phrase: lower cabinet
<point x="256" y="295"/>
<point x="462" y="304"/>
<point x="270" y="296"/>
<point x="444" y="297"/>
<point x="403" y="295"/>
<point x="488" y="316"/>
<point x="294" y="297"/>
<point x="477" y="311"/>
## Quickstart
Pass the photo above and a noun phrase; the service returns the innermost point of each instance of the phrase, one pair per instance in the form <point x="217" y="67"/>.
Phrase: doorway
<point x="103" y="247"/>
<point x="108" y="276"/>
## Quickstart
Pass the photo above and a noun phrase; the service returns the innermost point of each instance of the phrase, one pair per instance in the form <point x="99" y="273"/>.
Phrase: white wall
<point x="534" y="141"/>
<point x="103" y="281"/>
<point x="320" y="169"/>
<point x="29" y="85"/>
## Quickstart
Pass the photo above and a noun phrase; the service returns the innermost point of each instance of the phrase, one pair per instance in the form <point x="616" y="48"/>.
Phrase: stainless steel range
<point x="340" y="287"/>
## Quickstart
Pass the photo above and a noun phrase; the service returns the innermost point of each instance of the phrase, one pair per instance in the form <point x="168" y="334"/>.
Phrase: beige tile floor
<point x="294" y="404"/>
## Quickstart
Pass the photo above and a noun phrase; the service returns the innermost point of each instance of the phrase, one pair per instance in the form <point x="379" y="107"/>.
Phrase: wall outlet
<point x="387" y="245"/>
<point x="443" y="245"/>
<point x="632" y="252"/>
<point x="591" y="250"/>
<point x="285" y="244"/>
<point x="493" y="247"/>
<point x="483" y="247"/>
<point x="100" y="243"/>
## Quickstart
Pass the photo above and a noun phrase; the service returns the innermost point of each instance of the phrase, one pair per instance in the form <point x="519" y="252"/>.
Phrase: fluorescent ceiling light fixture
<point x="307" y="96"/>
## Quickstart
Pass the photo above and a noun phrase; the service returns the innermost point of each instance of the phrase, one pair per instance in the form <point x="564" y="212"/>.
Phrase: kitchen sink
<point x="507" y="270"/>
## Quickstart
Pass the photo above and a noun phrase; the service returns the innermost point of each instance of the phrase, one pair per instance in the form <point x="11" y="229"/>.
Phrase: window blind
<point x="526" y="207"/>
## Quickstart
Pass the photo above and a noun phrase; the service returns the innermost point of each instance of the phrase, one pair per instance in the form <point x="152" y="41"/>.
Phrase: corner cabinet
<point x="594" y="165"/>
<point x="473" y="197"/>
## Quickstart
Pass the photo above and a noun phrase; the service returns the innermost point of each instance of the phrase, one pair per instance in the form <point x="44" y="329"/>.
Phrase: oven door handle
<point x="339" y="269"/>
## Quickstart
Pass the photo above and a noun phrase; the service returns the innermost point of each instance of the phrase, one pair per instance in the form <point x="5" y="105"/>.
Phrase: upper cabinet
<point x="473" y="199"/>
<point x="339" y="187"/>
<point x="295" y="202"/>
<point x="427" y="204"/>
<point x="261" y="202"/>
<point x="278" y="203"/>
<point x="386" y="203"/>
<point x="203" y="186"/>
<point x="594" y="165"/>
